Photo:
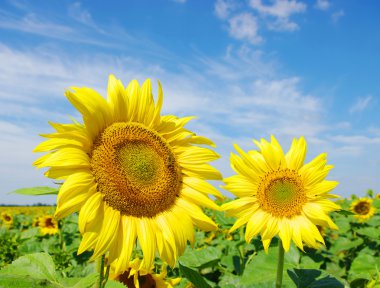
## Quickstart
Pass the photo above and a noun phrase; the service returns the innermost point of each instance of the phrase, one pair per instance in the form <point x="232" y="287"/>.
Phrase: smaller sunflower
<point x="363" y="209"/>
<point x="280" y="195"/>
<point x="136" y="276"/>
<point x="47" y="224"/>
<point x="377" y="196"/>
<point x="7" y="219"/>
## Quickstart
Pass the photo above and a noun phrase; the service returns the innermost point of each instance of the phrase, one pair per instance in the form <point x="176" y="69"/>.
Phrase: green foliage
<point x="34" y="191"/>
<point x="351" y="257"/>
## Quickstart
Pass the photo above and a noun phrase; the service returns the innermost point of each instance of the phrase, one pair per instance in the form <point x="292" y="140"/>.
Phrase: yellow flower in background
<point x="48" y="225"/>
<point x="363" y="209"/>
<point x="136" y="276"/>
<point x="279" y="195"/>
<point x="131" y="173"/>
<point x="377" y="196"/>
<point x="7" y="219"/>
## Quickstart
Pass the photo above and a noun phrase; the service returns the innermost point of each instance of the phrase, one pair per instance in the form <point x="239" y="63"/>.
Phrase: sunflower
<point x="7" y="219"/>
<point x="131" y="173"/>
<point x="377" y="196"/>
<point x="138" y="277"/>
<point x="363" y="209"/>
<point x="47" y="224"/>
<point x="280" y="195"/>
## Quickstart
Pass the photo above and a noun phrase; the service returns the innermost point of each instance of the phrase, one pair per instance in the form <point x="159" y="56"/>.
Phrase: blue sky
<point x="246" y="69"/>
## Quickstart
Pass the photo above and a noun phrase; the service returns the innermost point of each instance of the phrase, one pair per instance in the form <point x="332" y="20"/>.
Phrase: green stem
<point x="100" y="271"/>
<point x="280" y="264"/>
<point x="106" y="276"/>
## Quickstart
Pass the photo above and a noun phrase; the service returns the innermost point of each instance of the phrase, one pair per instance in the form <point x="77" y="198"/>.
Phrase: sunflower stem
<point x="280" y="264"/>
<point x="106" y="276"/>
<point x="101" y="271"/>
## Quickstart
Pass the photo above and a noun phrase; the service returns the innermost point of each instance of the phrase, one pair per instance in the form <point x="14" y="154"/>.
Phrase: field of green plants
<point x="37" y="251"/>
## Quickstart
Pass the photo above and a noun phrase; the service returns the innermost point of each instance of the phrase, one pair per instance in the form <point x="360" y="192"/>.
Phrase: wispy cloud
<point x="361" y="104"/>
<point x="244" y="26"/>
<point x="335" y="17"/>
<point x="281" y="11"/>
<point x="223" y="8"/>
<point x="322" y="4"/>
<point x="82" y="15"/>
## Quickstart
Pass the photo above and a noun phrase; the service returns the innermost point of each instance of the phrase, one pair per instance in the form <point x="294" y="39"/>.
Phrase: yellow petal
<point x="88" y="242"/>
<point x="197" y="215"/>
<point x="285" y="233"/>
<point x="117" y="99"/>
<point x="108" y="233"/>
<point x="202" y="186"/>
<point x="147" y="240"/>
<point x="91" y="210"/>
<point x="94" y="108"/>
<point x="256" y="224"/>
<point x="127" y="244"/>
<point x="192" y="195"/>
<point x="296" y="154"/>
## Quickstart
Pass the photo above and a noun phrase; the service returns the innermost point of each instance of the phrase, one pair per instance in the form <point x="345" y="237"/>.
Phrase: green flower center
<point x="136" y="170"/>
<point x="281" y="193"/>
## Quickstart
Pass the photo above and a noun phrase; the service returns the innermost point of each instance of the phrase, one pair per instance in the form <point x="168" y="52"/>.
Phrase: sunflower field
<point x="136" y="208"/>
<point x="37" y="251"/>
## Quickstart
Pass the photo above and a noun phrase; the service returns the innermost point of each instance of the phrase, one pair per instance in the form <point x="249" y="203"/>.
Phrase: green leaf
<point x="40" y="190"/>
<point x="30" y="233"/>
<point x="87" y="282"/>
<point x="345" y="212"/>
<point x="201" y="258"/>
<point x="114" y="284"/>
<point x="307" y="278"/>
<point x="344" y="244"/>
<point x="36" y="266"/>
<point x="193" y="276"/>
<point x="370" y="232"/>
<point x="261" y="271"/>
<point x="364" y="266"/>
<point x="11" y="281"/>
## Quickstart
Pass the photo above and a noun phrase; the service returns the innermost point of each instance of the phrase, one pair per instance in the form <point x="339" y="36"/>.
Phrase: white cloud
<point x="223" y="8"/>
<point x="244" y="26"/>
<point x="361" y="104"/>
<point x="356" y="139"/>
<point x="322" y="4"/>
<point x="335" y="17"/>
<point x="281" y="11"/>
<point x="77" y="12"/>
<point x="280" y="8"/>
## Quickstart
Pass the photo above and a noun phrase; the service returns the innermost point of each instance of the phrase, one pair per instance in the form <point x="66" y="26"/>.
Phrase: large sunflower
<point x="280" y="195"/>
<point x="363" y="209"/>
<point x="132" y="174"/>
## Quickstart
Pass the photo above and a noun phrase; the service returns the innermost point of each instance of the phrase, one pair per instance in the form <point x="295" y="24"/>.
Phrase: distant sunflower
<point x="48" y="225"/>
<point x="132" y="174"/>
<point x="363" y="209"/>
<point x="139" y="277"/>
<point x="7" y="218"/>
<point x="280" y="195"/>
<point x="377" y="196"/>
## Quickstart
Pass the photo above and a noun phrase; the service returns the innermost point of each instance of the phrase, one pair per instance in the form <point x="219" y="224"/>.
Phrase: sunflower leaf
<point x="345" y="212"/>
<point x="194" y="277"/>
<point x="39" y="190"/>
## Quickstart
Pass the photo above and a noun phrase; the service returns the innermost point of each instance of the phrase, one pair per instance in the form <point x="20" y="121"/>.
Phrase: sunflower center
<point x="145" y="281"/>
<point x="281" y="193"/>
<point x="7" y="218"/>
<point x="49" y="223"/>
<point x="362" y="208"/>
<point x="135" y="170"/>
